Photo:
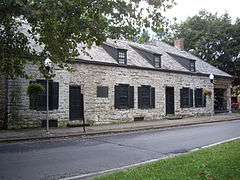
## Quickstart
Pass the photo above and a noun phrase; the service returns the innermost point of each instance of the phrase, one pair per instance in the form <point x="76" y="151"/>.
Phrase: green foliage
<point x="221" y="162"/>
<point x="236" y="91"/>
<point x="34" y="89"/>
<point x="59" y="26"/>
<point x="144" y="37"/>
<point x="213" y="38"/>
<point x="207" y="92"/>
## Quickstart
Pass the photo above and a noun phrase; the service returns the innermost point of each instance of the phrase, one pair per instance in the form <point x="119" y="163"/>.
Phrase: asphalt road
<point x="61" y="158"/>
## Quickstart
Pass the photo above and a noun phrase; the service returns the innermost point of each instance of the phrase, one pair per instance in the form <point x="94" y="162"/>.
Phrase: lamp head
<point x="211" y="77"/>
<point x="48" y="63"/>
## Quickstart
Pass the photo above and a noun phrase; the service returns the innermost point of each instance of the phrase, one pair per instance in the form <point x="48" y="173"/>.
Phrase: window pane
<point x="186" y="97"/>
<point x="122" y="56"/>
<point x="102" y="91"/>
<point x="192" y="66"/>
<point x="157" y="61"/>
<point x="146" y="97"/>
<point x="199" y="98"/>
<point x="122" y="96"/>
<point x="39" y="101"/>
<point x="121" y="61"/>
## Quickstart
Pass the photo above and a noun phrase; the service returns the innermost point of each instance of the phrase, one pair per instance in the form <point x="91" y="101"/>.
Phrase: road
<point x="54" y="159"/>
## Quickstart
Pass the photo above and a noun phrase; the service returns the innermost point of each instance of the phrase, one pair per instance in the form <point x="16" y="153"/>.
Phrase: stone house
<point x="120" y="81"/>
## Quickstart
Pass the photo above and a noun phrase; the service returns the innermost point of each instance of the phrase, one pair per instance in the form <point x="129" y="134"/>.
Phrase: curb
<point x="115" y="131"/>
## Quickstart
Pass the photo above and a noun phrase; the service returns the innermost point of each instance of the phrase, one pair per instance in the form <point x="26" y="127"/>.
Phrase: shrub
<point x="35" y="89"/>
<point x="207" y="92"/>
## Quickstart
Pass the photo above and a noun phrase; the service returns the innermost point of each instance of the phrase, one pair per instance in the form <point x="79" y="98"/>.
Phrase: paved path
<point x="59" y="158"/>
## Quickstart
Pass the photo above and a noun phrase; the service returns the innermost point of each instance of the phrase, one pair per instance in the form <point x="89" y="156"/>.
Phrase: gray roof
<point x="168" y="62"/>
<point x="134" y="58"/>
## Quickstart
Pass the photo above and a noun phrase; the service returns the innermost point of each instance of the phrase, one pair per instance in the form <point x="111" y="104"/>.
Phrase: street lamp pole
<point x="211" y="77"/>
<point x="48" y="66"/>
<point x="47" y="122"/>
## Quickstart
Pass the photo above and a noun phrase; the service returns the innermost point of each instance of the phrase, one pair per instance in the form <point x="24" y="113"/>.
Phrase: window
<point x="157" y="61"/>
<point x="192" y="66"/>
<point x="102" y="91"/>
<point x="124" y="96"/>
<point x="39" y="102"/>
<point x="122" y="57"/>
<point x="186" y="97"/>
<point x="200" y="98"/>
<point x="146" y="97"/>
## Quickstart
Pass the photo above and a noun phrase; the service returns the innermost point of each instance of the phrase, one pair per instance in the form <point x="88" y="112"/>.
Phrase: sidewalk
<point x="34" y="134"/>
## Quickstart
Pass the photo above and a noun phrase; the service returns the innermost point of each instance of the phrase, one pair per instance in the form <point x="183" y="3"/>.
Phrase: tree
<point x="56" y="28"/>
<point x="213" y="38"/>
<point x="144" y="37"/>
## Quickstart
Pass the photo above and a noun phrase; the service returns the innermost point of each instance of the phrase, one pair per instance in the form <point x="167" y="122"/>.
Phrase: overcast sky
<point x="185" y="8"/>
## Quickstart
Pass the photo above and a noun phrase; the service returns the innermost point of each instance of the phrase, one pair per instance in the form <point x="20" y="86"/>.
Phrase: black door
<point x="75" y="103"/>
<point x="169" y="100"/>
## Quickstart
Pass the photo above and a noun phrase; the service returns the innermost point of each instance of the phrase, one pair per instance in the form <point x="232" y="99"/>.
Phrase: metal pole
<point x="47" y="122"/>
<point x="212" y="100"/>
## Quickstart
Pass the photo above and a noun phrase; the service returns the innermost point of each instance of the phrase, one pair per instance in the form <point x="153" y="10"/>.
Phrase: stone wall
<point x="2" y="100"/>
<point x="20" y="116"/>
<point x="101" y="110"/>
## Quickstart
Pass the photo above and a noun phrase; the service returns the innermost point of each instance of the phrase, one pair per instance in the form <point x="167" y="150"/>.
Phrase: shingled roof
<point x="171" y="57"/>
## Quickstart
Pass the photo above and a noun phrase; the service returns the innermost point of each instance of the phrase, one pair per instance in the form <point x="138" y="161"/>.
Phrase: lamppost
<point x="48" y="66"/>
<point x="211" y="77"/>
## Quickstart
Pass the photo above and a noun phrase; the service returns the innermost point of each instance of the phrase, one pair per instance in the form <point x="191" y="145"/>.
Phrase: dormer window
<point x="122" y="57"/>
<point x="157" y="61"/>
<point x="188" y="63"/>
<point x="192" y="66"/>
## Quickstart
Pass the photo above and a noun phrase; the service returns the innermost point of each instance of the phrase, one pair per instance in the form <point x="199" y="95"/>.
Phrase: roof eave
<point x="147" y="68"/>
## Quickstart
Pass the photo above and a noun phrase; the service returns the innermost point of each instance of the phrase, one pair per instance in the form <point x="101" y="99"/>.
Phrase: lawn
<point x="218" y="163"/>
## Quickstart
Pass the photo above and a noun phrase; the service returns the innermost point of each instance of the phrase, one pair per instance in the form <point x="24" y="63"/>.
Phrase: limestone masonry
<point x="89" y="74"/>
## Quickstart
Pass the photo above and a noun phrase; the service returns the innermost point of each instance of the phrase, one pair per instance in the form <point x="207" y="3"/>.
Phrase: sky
<point x="186" y="8"/>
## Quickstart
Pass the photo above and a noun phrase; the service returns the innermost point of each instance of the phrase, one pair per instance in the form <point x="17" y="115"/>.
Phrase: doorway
<point x="170" y="105"/>
<point x="76" y="109"/>
<point x="220" y="102"/>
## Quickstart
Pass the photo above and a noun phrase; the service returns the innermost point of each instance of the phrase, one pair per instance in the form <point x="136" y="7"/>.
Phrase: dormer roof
<point x="172" y="59"/>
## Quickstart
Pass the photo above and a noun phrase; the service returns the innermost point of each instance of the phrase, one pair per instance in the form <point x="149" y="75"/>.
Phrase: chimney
<point x="179" y="44"/>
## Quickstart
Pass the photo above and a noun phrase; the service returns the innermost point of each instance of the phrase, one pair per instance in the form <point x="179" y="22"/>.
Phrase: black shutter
<point x="146" y="97"/>
<point x="195" y="97"/>
<point x="181" y="98"/>
<point x="140" y="103"/>
<point x="191" y="98"/>
<point x="131" y="96"/>
<point x="116" y="96"/>
<point x="55" y="95"/>
<point x="152" y="97"/>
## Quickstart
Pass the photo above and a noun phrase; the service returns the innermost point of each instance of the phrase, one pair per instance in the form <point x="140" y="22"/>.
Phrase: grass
<point x="221" y="162"/>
